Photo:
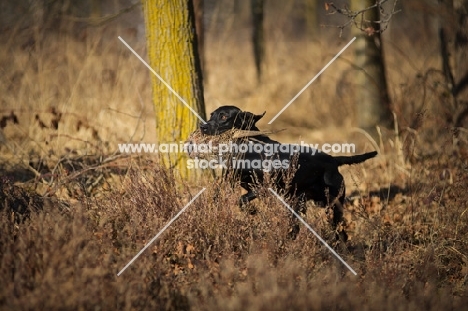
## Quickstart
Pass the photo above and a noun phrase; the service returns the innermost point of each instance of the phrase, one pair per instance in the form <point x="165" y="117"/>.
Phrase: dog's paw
<point x="245" y="205"/>
<point x="341" y="236"/>
<point x="248" y="208"/>
<point x="293" y="232"/>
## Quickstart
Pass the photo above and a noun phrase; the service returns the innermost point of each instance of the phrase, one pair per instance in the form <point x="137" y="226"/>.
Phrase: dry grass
<point x="409" y="252"/>
<point x="92" y="210"/>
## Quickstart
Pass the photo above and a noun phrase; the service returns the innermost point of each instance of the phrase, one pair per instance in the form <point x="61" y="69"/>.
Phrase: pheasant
<point x="199" y="145"/>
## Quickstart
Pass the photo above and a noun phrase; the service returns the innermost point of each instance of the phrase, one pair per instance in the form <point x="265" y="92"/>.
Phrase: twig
<point x="357" y="19"/>
<point x="99" y="21"/>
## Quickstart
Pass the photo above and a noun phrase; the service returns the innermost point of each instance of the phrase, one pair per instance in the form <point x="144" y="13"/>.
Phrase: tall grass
<point x="214" y="256"/>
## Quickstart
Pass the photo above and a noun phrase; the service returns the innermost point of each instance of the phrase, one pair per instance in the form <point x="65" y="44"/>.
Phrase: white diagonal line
<point x="162" y="80"/>
<point x="160" y="232"/>
<point x="313" y="231"/>
<point x="311" y="81"/>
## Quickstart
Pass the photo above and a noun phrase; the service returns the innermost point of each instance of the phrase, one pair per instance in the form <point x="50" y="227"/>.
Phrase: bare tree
<point x="361" y="17"/>
<point x="461" y="41"/>
<point x="372" y="97"/>
<point x="456" y="79"/>
<point x="258" y="40"/>
<point x="311" y="18"/>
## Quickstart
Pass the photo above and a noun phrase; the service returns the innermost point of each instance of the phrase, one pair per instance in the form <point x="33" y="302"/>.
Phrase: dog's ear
<point x="246" y="120"/>
<point x="250" y="117"/>
<point x="258" y="117"/>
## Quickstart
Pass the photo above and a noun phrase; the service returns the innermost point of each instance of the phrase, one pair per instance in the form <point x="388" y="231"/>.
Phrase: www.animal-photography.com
<point x="234" y="155"/>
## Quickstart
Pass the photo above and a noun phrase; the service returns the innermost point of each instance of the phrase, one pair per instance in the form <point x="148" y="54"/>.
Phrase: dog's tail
<point x="342" y="160"/>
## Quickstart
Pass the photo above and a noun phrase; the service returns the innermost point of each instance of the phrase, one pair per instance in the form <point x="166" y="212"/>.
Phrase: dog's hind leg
<point x="341" y="234"/>
<point x="338" y="207"/>
<point x="336" y="192"/>
<point x="299" y="207"/>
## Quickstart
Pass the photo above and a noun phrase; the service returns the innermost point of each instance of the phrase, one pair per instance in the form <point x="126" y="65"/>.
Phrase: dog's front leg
<point x="244" y="202"/>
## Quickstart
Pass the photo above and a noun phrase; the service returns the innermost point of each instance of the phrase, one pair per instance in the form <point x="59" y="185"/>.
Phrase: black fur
<point x="316" y="176"/>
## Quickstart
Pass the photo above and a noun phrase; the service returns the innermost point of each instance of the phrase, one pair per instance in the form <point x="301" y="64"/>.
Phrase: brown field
<point x="74" y="212"/>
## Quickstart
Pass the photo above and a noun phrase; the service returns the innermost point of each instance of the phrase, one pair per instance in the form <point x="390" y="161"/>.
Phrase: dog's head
<point x="230" y="117"/>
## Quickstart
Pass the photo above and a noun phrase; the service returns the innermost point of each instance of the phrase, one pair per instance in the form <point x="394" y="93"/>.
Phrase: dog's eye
<point x="223" y="118"/>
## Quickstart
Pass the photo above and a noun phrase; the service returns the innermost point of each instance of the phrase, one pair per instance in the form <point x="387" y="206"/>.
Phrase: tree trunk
<point x="445" y="37"/>
<point x="258" y="39"/>
<point x="372" y="99"/>
<point x="172" y="53"/>
<point x="200" y="28"/>
<point x="453" y="39"/>
<point x="461" y="49"/>
<point x="311" y="17"/>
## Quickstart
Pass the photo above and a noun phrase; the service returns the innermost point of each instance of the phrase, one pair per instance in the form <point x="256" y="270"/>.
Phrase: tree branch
<point x="357" y="18"/>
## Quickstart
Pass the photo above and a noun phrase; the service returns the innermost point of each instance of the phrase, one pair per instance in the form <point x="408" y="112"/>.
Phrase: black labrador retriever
<point x="315" y="175"/>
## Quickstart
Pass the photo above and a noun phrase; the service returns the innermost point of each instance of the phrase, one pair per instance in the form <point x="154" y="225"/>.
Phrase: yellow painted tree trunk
<point x="172" y="52"/>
